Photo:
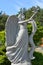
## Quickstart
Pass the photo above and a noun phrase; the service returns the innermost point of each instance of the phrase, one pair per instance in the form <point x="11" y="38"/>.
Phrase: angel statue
<point x="17" y="39"/>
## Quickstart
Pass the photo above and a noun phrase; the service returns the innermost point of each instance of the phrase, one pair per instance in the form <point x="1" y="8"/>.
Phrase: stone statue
<point x="17" y="39"/>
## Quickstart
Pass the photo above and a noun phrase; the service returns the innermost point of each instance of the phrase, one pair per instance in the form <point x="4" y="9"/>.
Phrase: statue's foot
<point x="32" y="58"/>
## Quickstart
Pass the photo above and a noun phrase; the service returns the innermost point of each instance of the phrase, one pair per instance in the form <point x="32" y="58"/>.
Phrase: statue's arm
<point x="24" y="21"/>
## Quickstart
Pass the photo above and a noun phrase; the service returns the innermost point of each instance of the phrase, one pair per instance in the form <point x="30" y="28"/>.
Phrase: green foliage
<point x="3" y="58"/>
<point x="1" y="53"/>
<point x="28" y="13"/>
<point x="3" y="48"/>
<point x="29" y="27"/>
<point x="39" y="33"/>
<point x="2" y="37"/>
<point x="38" y="59"/>
<point x="3" y="18"/>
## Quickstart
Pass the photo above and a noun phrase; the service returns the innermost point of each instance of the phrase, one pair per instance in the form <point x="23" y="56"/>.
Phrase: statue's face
<point x="21" y="17"/>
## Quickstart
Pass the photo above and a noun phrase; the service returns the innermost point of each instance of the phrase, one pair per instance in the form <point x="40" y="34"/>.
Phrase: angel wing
<point x="11" y="29"/>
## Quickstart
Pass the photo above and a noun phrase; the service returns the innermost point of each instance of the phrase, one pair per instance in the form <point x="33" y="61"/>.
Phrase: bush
<point x="3" y="18"/>
<point x="3" y="48"/>
<point x="2" y="37"/>
<point x="39" y="33"/>
<point x="38" y="59"/>
<point x="2" y="53"/>
<point x="4" y="60"/>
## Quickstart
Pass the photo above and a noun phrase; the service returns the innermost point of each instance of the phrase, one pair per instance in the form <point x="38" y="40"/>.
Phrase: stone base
<point x="25" y="63"/>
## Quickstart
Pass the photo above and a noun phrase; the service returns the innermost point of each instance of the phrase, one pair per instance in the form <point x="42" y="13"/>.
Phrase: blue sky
<point x="11" y="7"/>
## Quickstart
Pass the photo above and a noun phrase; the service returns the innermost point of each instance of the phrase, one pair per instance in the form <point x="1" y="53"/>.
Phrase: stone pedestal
<point x="24" y="63"/>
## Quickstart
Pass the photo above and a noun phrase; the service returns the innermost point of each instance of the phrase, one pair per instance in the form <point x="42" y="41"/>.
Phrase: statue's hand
<point x="30" y="20"/>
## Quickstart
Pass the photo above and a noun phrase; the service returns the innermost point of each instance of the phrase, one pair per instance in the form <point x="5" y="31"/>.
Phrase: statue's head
<point x="21" y="16"/>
